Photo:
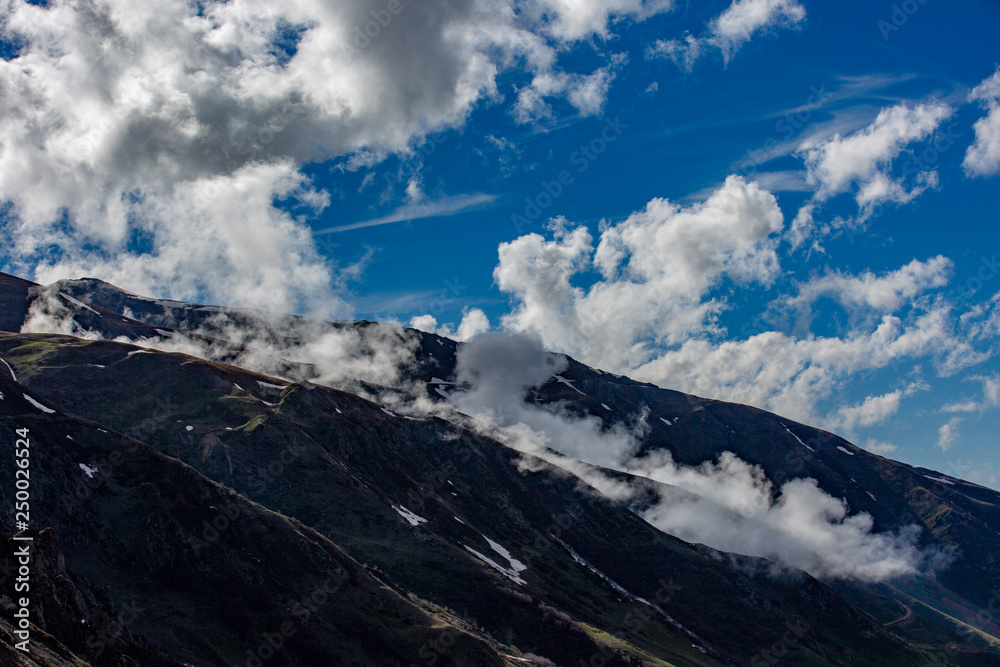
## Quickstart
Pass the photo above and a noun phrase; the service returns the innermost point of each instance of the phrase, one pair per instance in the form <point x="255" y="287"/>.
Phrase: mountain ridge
<point x="58" y="367"/>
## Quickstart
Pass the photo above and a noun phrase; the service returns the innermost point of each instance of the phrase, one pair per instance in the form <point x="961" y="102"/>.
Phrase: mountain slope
<point x="530" y="554"/>
<point x="125" y="514"/>
<point x="354" y="474"/>
<point x="955" y="515"/>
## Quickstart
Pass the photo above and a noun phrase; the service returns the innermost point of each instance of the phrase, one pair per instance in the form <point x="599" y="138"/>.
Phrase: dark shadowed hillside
<point x="187" y="510"/>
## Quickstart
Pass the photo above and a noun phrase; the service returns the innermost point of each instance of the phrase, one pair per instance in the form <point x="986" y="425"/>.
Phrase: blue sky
<point x="785" y="203"/>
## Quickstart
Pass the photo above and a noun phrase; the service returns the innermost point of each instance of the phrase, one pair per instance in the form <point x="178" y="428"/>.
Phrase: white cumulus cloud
<point x="873" y="410"/>
<point x="647" y="300"/>
<point x="881" y="293"/>
<point x="881" y="448"/>
<point x="655" y="267"/>
<point x="862" y="160"/>
<point x="153" y="143"/>
<point x="948" y="434"/>
<point x="983" y="157"/>
<point x="731" y="30"/>
<point x="474" y="322"/>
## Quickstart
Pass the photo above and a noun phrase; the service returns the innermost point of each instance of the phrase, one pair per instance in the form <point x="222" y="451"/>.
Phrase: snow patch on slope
<point x="940" y="479"/>
<point x="509" y="573"/>
<point x="590" y="566"/>
<point x="38" y="405"/>
<point x="568" y="383"/>
<point x="411" y="518"/>
<point x="515" y="564"/>
<point x="78" y="303"/>
<point x="269" y="385"/>
<point x="797" y="438"/>
<point x="621" y="590"/>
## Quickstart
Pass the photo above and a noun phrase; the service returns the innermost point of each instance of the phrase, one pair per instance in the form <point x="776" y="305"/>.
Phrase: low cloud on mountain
<point x="727" y="503"/>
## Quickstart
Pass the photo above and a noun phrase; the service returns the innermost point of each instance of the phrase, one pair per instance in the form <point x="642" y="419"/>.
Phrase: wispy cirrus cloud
<point x="990" y="396"/>
<point x="418" y="210"/>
